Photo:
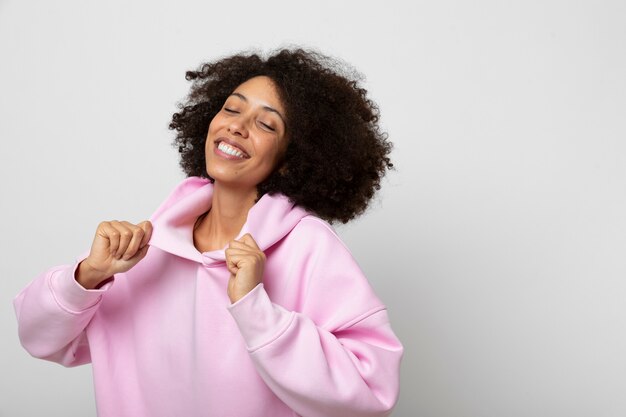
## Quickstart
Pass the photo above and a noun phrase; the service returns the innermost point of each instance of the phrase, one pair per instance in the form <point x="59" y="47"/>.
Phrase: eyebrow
<point x="268" y="108"/>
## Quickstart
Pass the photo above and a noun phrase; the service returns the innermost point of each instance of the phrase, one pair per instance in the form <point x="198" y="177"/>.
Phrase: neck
<point x="229" y="211"/>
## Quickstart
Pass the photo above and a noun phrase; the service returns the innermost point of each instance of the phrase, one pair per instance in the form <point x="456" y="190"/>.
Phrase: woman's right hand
<point x="117" y="247"/>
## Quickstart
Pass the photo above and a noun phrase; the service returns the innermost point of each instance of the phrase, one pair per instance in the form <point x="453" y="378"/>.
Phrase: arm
<point x="54" y="310"/>
<point x="52" y="314"/>
<point x="339" y="355"/>
<point x="347" y="372"/>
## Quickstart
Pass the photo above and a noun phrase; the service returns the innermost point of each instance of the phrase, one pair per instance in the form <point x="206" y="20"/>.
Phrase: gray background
<point x="498" y="242"/>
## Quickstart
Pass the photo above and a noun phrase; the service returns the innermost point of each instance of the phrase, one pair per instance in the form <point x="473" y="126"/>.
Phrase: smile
<point x="231" y="150"/>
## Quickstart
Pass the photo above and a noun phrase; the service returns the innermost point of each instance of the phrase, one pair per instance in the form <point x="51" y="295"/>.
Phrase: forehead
<point x="262" y="90"/>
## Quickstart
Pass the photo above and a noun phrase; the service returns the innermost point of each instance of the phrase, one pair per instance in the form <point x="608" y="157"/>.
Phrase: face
<point x="246" y="138"/>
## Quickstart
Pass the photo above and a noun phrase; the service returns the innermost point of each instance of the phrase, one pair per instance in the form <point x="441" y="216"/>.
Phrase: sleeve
<point x="54" y="310"/>
<point x="339" y="356"/>
<point x="52" y="314"/>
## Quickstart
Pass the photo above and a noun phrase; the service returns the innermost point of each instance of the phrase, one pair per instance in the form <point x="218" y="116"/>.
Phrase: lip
<point x="231" y="143"/>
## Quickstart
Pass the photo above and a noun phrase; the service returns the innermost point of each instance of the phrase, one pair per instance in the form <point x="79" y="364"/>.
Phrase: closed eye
<point x="226" y="109"/>
<point x="267" y="126"/>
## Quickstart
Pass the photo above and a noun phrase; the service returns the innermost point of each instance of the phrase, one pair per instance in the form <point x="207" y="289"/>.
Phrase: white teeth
<point x="226" y="148"/>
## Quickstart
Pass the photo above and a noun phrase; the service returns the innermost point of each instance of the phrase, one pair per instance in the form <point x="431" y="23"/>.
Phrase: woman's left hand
<point x="246" y="263"/>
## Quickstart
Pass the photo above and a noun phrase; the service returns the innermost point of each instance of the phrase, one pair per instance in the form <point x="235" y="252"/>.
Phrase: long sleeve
<point x="52" y="314"/>
<point x="339" y="355"/>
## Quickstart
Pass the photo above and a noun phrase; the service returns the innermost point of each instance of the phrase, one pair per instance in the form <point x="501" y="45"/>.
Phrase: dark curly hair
<point x="336" y="153"/>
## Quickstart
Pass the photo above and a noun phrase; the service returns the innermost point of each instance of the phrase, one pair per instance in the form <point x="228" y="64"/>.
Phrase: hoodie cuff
<point x="72" y="296"/>
<point x="259" y="320"/>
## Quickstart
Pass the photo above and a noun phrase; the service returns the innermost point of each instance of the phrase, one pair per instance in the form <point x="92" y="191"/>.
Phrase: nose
<point x="238" y="126"/>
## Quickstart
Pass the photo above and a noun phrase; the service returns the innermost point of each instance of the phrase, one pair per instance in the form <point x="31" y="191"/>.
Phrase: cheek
<point x="212" y="128"/>
<point x="281" y="148"/>
<point x="215" y="123"/>
<point x="274" y="154"/>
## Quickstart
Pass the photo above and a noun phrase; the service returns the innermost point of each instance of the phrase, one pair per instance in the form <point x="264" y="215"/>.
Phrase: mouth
<point x="231" y="148"/>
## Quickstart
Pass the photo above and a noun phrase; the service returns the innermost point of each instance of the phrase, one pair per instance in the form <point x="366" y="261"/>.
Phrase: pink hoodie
<point x="164" y="340"/>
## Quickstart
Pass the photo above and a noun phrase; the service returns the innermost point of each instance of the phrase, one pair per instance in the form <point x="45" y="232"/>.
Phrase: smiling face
<point x="246" y="138"/>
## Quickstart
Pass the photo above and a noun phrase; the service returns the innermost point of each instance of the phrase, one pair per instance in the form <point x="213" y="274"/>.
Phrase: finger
<point x="135" y="240"/>
<point x="147" y="228"/>
<point x="230" y="264"/>
<point x="251" y="254"/>
<point x="232" y="267"/>
<point x="112" y="235"/>
<point x="241" y="245"/>
<point x="239" y="253"/>
<point x="141" y="253"/>
<point x="125" y="235"/>
<point x="236" y="258"/>
<point x="241" y="258"/>
<point x="248" y="240"/>
<point x="231" y="261"/>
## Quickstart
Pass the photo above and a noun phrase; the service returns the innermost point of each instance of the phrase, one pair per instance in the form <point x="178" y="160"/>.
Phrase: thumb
<point x="141" y="253"/>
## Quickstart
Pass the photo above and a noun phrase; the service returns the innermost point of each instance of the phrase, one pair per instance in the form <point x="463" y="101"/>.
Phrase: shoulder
<point x="337" y="290"/>
<point x="315" y="242"/>
<point x="314" y="229"/>
<point x="313" y="224"/>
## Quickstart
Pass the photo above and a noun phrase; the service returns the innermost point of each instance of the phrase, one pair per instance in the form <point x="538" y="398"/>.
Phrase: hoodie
<point x="163" y="338"/>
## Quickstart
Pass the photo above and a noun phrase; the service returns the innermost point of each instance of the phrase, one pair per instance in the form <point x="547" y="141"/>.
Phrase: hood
<point x="268" y="221"/>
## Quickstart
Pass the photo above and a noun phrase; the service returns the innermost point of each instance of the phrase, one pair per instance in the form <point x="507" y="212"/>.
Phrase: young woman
<point x="237" y="298"/>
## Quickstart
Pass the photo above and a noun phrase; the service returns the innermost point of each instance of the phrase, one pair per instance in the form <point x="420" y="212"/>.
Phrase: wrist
<point x="238" y="295"/>
<point x="89" y="277"/>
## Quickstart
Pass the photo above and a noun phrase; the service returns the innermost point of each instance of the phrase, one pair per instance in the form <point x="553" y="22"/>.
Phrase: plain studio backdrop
<point x="498" y="243"/>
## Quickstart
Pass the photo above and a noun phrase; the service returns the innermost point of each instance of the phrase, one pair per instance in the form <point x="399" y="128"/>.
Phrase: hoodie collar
<point x="268" y="221"/>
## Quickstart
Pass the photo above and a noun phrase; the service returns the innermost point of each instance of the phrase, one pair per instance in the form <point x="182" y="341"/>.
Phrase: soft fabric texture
<point x="164" y="340"/>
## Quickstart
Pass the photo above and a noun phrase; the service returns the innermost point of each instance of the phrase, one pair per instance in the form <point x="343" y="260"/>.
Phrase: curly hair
<point x="336" y="154"/>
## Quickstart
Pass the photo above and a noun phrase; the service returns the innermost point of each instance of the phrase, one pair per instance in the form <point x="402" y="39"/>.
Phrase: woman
<point x="237" y="298"/>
